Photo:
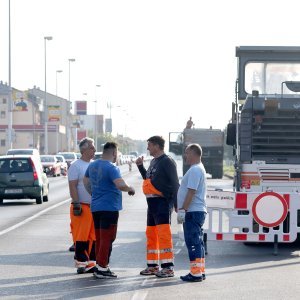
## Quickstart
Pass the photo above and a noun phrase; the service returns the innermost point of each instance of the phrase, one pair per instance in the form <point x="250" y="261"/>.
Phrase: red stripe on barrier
<point x="219" y="236"/>
<point x="240" y="237"/>
<point x="287" y="199"/>
<point x="241" y="201"/>
<point x="286" y="237"/>
<point x="261" y="237"/>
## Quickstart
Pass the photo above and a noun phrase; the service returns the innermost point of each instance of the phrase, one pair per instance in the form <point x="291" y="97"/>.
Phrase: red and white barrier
<point x="252" y="217"/>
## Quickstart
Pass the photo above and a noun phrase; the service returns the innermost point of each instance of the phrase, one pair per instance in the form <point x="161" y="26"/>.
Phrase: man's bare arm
<point x="87" y="185"/>
<point x="123" y="186"/>
<point x="73" y="191"/>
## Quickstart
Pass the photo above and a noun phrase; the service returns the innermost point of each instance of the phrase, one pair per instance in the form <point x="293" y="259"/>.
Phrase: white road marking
<point x="176" y="251"/>
<point x="33" y="217"/>
<point x="142" y="294"/>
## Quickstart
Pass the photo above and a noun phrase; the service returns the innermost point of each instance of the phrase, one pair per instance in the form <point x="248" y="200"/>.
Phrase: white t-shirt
<point x="195" y="179"/>
<point x="76" y="172"/>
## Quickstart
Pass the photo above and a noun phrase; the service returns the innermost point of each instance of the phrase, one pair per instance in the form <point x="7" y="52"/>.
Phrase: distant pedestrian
<point x="82" y="226"/>
<point x="192" y="211"/>
<point x="160" y="187"/>
<point x="189" y="124"/>
<point x="104" y="182"/>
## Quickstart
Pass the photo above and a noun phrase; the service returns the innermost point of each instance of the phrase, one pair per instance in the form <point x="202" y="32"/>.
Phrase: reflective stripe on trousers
<point x="197" y="266"/>
<point x="159" y="244"/>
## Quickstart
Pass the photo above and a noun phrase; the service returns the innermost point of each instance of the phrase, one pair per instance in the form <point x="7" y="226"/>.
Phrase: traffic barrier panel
<point x="252" y="217"/>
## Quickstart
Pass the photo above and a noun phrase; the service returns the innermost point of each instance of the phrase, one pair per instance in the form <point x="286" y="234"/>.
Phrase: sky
<point x="158" y="62"/>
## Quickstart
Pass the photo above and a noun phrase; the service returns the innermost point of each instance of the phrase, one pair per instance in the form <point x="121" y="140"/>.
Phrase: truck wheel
<point x="217" y="174"/>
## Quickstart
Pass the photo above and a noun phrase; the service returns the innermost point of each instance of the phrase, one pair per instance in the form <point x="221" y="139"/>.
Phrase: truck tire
<point x="217" y="174"/>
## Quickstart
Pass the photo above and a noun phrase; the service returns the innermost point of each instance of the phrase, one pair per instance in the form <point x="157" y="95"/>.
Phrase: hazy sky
<point x="158" y="62"/>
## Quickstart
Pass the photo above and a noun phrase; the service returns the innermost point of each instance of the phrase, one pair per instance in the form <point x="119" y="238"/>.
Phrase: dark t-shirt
<point x="163" y="175"/>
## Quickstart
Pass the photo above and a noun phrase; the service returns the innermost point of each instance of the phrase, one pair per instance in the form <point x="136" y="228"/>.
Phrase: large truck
<point x="211" y="141"/>
<point x="264" y="205"/>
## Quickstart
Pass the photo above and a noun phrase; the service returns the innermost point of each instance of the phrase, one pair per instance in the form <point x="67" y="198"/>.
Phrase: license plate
<point x="13" y="191"/>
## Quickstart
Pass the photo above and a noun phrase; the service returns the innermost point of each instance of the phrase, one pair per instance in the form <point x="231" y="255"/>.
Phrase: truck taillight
<point x="35" y="175"/>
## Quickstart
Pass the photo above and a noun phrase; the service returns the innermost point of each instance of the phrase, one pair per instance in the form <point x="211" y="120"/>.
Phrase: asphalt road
<point x="35" y="262"/>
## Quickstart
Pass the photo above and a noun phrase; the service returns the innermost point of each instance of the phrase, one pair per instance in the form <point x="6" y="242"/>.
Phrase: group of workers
<point x="96" y="190"/>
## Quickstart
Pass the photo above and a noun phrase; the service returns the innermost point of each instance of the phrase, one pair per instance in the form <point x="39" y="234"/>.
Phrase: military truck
<point x="211" y="141"/>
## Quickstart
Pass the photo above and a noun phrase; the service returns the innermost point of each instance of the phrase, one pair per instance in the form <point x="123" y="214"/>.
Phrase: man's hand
<point x="139" y="161"/>
<point x="180" y="216"/>
<point x="77" y="210"/>
<point x="131" y="191"/>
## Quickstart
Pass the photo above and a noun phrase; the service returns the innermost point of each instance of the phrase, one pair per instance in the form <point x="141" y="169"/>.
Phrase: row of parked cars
<point x="23" y="173"/>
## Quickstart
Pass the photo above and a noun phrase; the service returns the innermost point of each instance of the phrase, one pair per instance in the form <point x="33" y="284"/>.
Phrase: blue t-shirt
<point x="105" y="195"/>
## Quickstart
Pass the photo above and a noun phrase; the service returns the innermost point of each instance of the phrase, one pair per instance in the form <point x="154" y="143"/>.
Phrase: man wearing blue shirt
<point x="104" y="182"/>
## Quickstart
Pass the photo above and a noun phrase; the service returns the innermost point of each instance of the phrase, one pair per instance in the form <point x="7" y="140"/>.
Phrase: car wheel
<point x="45" y="198"/>
<point x="39" y="200"/>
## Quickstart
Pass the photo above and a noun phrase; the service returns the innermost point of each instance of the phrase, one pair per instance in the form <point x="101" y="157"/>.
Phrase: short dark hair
<point x="109" y="146"/>
<point x="157" y="140"/>
<point x="196" y="148"/>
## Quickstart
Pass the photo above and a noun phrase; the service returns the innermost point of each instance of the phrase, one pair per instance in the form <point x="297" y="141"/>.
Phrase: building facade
<point x="28" y="119"/>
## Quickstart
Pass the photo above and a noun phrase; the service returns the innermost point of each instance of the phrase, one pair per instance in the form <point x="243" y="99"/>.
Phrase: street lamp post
<point x="96" y="139"/>
<point x="68" y="112"/>
<point x="57" y="71"/>
<point x="9" y="110"/>
<point x="46" y="38"/>
<point x="60" y="114"/>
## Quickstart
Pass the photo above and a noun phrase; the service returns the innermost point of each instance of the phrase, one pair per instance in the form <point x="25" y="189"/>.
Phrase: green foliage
<point x="228" y="170"/>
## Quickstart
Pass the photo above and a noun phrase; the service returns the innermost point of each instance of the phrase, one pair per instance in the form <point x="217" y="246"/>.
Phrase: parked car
<point x="27" y="151"/>
<point x="63" y="164"/>
<point x="97" y="155"/>
<point x="69" y="157"/>
<point x="78" y="155"/>
<point x="22" y="177"/>
<point x="51" y="165"/>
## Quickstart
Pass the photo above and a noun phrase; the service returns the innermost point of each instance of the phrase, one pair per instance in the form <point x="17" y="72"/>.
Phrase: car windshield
<point x="47" y="159"/>
<point x="15" y="165"/>
<point x="60" y="158"/>
<point x="68" y="155"/>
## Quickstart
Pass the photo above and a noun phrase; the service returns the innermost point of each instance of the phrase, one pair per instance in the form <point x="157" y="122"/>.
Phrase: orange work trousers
<point x="83" y="233"/>
<point x="158" y="233"/>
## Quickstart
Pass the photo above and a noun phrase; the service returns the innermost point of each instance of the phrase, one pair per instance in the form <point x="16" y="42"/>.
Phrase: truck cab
<point x="211" y="142"/>
<point x="265" y="128"/>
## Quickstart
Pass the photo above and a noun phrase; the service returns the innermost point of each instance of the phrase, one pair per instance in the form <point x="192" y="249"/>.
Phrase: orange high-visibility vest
<point x="149" y="189"/>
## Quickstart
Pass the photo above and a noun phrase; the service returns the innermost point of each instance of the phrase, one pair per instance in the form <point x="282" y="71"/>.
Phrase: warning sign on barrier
<point x="269" y="209"/>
